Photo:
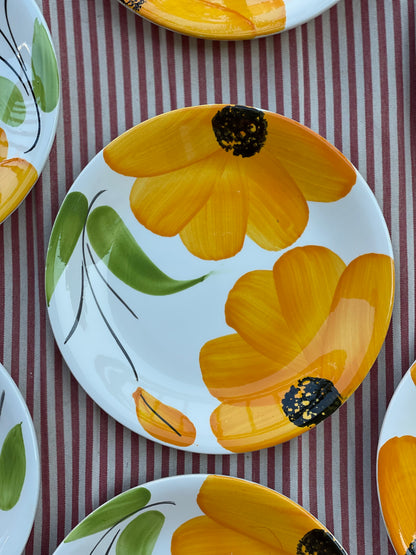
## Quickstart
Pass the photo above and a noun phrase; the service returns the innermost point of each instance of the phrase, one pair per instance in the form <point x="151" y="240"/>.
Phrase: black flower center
<point x="411" y="550"/>
<point x="134" y="4"/>
<point x="319" y="542"/>
<point x="240" y="129"/>
<point x="311" y="401"/>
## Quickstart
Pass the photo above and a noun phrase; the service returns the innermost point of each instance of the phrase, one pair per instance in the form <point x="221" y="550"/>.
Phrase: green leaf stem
<point x="12" y="468"/>
<point x="45" y="76"/>
<point x="12" y="105"/>
<point x="111" y="513"/>
<point x="116" y="246"/>
<point x="140" y="535"/>
<point x="64" y="237"/>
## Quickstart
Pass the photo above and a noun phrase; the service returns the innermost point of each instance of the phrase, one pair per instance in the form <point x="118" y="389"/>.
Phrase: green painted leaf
<point x="65" y="234"/>
<point x="12" y="105"/>
<point x="140" y="535"/>
<point x="116" y="246"/>
<point x="12" y="468"/>
<point x="111" y="513"/>
<point x="45" y="76"/>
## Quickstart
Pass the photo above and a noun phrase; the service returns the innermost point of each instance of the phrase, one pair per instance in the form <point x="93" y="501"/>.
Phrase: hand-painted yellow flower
<point x="215" y="19"/>
<point x="17" y="176"/>
<point x="242" y="517"/>
<point x="307" y="334"/>
<point x="396" y="469"/>
<point x="163" y="421"/>
<point x="216" y="173"/>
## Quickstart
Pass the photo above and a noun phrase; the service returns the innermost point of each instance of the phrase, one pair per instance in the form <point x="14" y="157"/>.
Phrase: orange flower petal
<point x="17" y="176"/>
<point x="166" y="203"/>
<point x="360" y="316"/>
<point x="253" y="310"/>
<point x="218" y="229"/>
<point x="3" y="145"/>
<point x="164" y="144"/>
<point x="278" y="210"/>
<point x="162" y="421"/>
<point x="232" y="370"/>
<point x="253" y="424"/>
<point x="320" y="171"/>
<point x="204" y="536"/>
<point x="306" y="279"/>
<point x="397" y="489"/>
<point x="413" y="372"/>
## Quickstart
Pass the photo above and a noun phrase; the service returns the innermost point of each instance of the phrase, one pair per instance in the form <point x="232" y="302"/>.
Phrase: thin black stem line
<point x="2" y="396"/>
<point x="112" y="542"/>
<point x="160" y="417"/>
<point x="11" y="34"/>
<point x="14" y="71"/>
<point x="128" y="516"/>
<point x="81" y="304"/>
<point x="16" y="54"/>
<point x="106" y="322"/>
<point x="108" y="285"/>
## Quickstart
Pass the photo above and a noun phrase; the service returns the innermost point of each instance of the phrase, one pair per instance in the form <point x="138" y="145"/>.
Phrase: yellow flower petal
<point x="218" y="230"/>
<point x="413" y="372"/>
<point x="278" y="211"/>
<point x="166" y="203"/>
<point x="320" y="171"/>
<point x="3" y="145"/>
<point x="17" y="176"/>
<point x="256" y="511"/>
<point x="397" y="488"/>
<point x="204" y="536"/>
<point x="232" y="370"/>
<point x="360" y="316"/>
<point x="306" y="279"/>
<point x="164" y="144"/>
<point x="162" y="421"/>
<point x="253" y="424"/>
<point x="254" y="311"/>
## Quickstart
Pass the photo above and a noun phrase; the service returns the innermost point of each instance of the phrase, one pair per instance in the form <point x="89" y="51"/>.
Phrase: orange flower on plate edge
<point x="307" y="333"/>
<point x="214" y="174"/>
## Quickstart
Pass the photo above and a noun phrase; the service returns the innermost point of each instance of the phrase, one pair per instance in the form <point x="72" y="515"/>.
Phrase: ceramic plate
<point x="19" y="468"/>
<point x="184" y="515"/>
<point x="219" y="279"/>
<point x="396" y="466"/>
<point x="229" y="19"/>
<point x="29" y="95"/>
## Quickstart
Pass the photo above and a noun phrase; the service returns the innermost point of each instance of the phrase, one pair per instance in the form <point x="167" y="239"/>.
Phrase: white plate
<point x="29" y="99"/>
<point x="19" y="507"/>
<point x="226" y="20"/>
<point x="120" y="336"/>
<point x="396" y="466"/>
<point x="180" y="515"/>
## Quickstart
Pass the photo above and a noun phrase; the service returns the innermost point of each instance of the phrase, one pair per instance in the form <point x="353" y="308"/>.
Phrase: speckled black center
<point x="411" y="550"/>
<point x="311" y="401"/>
<point x="319" y="542"/>
<point x="134" y="4"/>
<point x="240" y="129"/>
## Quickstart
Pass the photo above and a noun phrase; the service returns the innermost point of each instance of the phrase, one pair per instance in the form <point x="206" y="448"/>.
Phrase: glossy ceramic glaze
<point x="29" y="96"/>
<point x="220" y="279"/>
<point x="184" y="515"/>
<point x="19" y="468"/>
<point x="229" y="19"/>
<point x="396" y="466"/>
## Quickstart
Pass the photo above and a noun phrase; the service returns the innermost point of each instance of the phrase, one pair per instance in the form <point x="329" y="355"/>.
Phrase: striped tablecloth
<point x="349" y="75"/>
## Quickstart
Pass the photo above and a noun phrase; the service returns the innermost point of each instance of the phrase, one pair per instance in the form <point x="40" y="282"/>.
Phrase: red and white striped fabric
<point x="350" y="75"/>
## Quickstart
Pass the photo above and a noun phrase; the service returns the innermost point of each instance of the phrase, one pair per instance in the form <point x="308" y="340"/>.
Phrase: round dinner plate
<point x="19" y="468"/>
<point x="29" y="97"/>
<point x="205" y="514"/>
<point x="229" y="19"/>
<point x="219" y="279"/>
<point x="396" y="466"/>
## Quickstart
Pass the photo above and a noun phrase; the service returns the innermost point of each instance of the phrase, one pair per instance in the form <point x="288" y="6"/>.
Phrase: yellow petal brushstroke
<point x="396" y="470"/>
<point x="243" y="518"/>
<point x="17" y="176"/>
<point x="214" y="174"/>
<point x="218" y="19"/>
<point x="162" y="421"/>
<point x="261" y="373"/>
<point x="4" y="145"/>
